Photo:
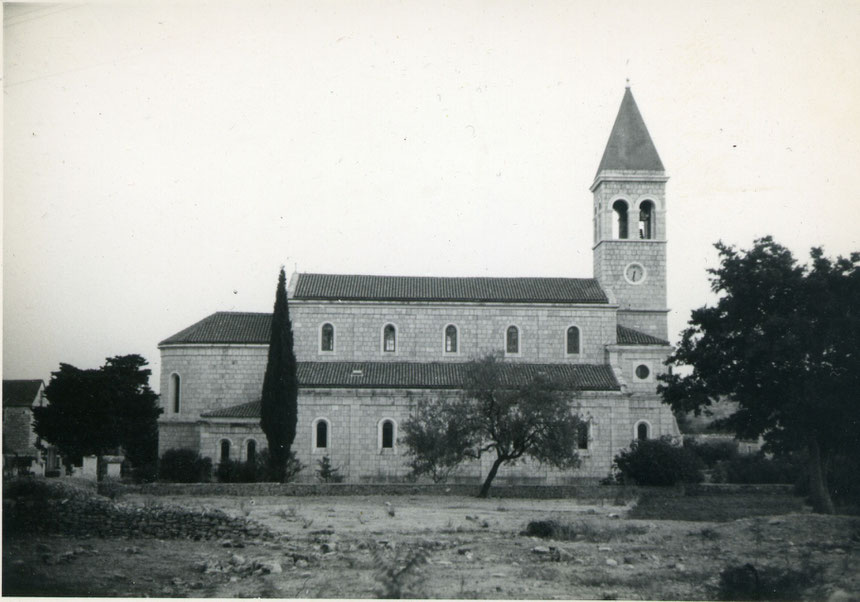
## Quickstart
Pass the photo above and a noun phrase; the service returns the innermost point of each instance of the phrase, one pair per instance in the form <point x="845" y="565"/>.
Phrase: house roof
<point x="413" y="375"/>
<point x="630" y="146"/>
<point x="427" y="288"/>
<point x="629" y="336"/>
<point x="20" y="393"/>
<point x="226" y="327"/>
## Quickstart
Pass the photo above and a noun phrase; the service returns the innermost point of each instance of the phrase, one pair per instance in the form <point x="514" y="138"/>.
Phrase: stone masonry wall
<point x="354" y="440"/>
<point x="420" y="330"/>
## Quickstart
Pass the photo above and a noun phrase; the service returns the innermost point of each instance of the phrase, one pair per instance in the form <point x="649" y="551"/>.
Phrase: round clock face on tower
<point x="635" y="273"/>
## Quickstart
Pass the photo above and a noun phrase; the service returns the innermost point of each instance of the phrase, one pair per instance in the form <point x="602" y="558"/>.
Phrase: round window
<point x="642" y="371"/>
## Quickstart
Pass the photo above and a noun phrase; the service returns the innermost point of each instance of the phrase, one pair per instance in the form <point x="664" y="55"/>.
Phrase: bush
<point x="326" y="472"/>
<point x="184" y="466"/>
<point x="759" y="469"/>
<point x="657" y="462"/>
<point x="746" y="582"/>
<point x="234" y="471"/>
<point x="711" y="453"/>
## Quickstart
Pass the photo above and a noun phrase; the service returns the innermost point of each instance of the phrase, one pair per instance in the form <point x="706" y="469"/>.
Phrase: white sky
<point x="162" y="161"/>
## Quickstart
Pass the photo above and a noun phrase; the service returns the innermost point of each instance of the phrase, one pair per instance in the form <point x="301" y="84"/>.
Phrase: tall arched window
<point x="642" y="431"/>
<point x="251" y="448"/>
<point x="386" y="434"/>
<point x="646" y="220"/>
<point x="619" y="224"/>
<point x="225" y="450"/>
<point x="175" y="392"/>
<point x="582" y="435"/>
<point x="512" y="340"/>
<point x="389" y="338"/>
<point x="321" y="434"/>
<point x="572" y="340"/>
<point x="327" y="337"/>
<point x="450" y="339"/>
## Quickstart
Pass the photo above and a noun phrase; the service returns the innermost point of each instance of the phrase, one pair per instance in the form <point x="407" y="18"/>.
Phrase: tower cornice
<point x="627" y="175"/>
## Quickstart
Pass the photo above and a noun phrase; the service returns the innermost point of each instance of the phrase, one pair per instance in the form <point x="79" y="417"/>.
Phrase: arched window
<point x="251" y="448"/>
<point x="512" y="340"/>
<point x="450" y="339"/>
<point x="619" y="224"/>
<point x="175" y="392"/>
<point x="321" y="434"/>
<point x="389" y="338"/>
<point x="642" y="431"/>
<point x="572" y="340"/>
<point x="387" y="434"/>
<point x="646" y="220"/>
<point x="225" y="450"/>
<point x="327" y="337"/>
<point x="582" y="433"/>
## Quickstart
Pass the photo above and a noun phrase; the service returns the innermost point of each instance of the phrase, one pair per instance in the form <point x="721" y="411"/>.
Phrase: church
<point x="370" y="347"/>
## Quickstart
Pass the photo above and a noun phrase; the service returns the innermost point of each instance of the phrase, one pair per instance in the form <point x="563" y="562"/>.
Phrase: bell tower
<point x="630" y="223"/>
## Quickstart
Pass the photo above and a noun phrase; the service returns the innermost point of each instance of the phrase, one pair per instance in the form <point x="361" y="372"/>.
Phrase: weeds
<point x="402" y="576"/>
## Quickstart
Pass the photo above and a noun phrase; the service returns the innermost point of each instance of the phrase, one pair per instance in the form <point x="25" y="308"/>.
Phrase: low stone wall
<point x="363" y="489"/>
<point x="84" y="514"/>
<point x="585" y="492"/>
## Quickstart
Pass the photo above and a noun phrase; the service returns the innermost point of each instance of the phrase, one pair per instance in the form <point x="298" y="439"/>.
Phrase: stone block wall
<point x="18" y="436"/>
<point x="420" y="330"/>
<point x="212" y="377"/>
<point x="354" y="445"/>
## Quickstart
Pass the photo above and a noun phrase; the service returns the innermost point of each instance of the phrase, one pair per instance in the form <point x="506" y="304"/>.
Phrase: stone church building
<point x="369" y="347"/>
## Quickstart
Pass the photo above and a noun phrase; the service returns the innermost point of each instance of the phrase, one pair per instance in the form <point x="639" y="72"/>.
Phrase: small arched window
<point x="619" y="224"/>
<point x="389" y="338"/>
<point x="175" y="392"/>
<point x="225" y="450"/>
<point x="450" y="339"/>
<point x="642" y="431"/>
<point x="582" y="433"/>
<point x="327" y="337"/>
<point x="512" y="340"/>
<point x="251" y="448"/>
<point x="646" y="220"/>
<point x="572" y="340"/>
<point x="321" y="435"/>
<point x="386" y="438"/>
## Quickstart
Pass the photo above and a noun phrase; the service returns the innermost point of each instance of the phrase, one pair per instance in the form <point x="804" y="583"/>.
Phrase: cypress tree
<point x="279" y="402"/>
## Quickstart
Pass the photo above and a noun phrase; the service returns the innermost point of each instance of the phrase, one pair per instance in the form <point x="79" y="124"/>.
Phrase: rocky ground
<point x="449" y="547"/>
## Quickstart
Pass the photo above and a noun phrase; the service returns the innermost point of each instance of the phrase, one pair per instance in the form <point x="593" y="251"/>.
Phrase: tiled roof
<point x="226" y="327"/>
<point x="426" y="288"/>
<point x="629" y="336"/>
<point x="409" y="375"/>
<point x="245" y="410"/>
<point x="20" y="393"/>
<point x="630" y="146"/>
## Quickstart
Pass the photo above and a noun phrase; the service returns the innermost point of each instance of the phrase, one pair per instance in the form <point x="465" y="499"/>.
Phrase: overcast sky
<point x="162" y="161"/>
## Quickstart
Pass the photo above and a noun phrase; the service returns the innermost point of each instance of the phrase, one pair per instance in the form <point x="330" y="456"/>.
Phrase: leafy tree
<point x="784" y="342"/>
<point x="279" y="411"/>
<point x="511" y="421"/>
<point x="436" y="439"/>
<point x="94" y="412"/>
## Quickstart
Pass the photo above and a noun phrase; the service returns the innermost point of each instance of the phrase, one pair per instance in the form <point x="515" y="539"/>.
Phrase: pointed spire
<point x="630" y="146"/>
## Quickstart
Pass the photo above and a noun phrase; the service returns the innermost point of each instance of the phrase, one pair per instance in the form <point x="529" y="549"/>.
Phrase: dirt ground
<point x="442" y="547"/>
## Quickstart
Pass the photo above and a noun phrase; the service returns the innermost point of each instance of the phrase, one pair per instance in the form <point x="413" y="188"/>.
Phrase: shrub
<point x="711" y="453"/>
<point x="184" y="466"/>
<point x="234" y="471"/>
<point x="326" y="472"/>
<point x="759" y="469"/>
<point x="657" y="462"/>
<point x="746" y="582"/>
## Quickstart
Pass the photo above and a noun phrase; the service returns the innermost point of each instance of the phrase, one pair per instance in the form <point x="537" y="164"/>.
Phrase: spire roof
<point x="630" y="146"/>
